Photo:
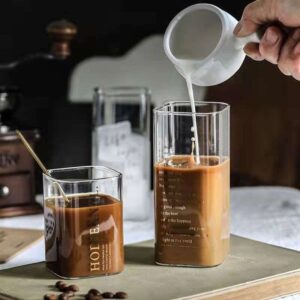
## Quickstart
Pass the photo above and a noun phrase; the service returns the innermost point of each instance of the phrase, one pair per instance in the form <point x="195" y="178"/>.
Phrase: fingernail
<point x="247" y="52"/>
<point x="271" y="37"/>
<point x="286" y="72"/>
<point x="237" y="28"/>
<point x="257" y="58"/>
<point x="253" y="56"/>
<point x="297" y="49"/>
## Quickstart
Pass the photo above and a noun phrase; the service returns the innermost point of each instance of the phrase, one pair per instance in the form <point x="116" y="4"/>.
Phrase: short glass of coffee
<point x="83" y="221"/>
<point x="191" y="183"/>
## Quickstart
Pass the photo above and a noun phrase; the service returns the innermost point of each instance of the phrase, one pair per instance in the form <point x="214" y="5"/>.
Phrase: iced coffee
<point x="191" y="184"/>
<point x="85" y="238"/>
<point x="83" y="227"/>
<point x="192" y="211"/>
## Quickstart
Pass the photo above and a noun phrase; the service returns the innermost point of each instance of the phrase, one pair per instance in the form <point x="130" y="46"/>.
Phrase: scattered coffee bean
<point x="63" y="287"/>
<point x="94" y="292"/>
<point x="63" y="297"/>
<point x="93" y="297"/>
<point x="121" y="295"/>
<point x="73" y="288"/>
<point x="108" y="295"/>
<point x="50" y="297"/>
<point x="59" y="283"/>
<point x="69" y="293"/>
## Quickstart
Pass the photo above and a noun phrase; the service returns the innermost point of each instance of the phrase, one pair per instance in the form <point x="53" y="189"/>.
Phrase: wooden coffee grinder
<point x="17" y="192"/>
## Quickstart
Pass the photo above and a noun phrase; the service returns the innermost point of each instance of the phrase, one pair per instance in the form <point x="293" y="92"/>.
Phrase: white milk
<point x="206" y="28"/>
<point x="200" y="43"/>
<point x="195" y="128"/>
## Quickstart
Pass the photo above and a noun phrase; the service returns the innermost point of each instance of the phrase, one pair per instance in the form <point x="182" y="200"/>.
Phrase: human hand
<point x="280" y="43"/>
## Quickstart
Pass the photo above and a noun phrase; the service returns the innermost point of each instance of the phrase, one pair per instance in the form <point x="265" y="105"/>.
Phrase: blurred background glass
<point x="121" y="141"/>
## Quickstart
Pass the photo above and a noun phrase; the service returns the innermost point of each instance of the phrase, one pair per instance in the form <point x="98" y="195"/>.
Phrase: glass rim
<point x="117" y="174"/>
<point x="121" y="90"/>
<point x="161" y="109"/>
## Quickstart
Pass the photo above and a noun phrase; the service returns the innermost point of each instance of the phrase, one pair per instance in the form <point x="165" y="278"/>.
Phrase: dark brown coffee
<point x="192" y="211"/>
<point x="85" y="236"/>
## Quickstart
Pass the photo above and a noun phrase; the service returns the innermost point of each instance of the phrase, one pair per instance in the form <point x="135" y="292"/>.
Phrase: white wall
<point x="145" y="65"/>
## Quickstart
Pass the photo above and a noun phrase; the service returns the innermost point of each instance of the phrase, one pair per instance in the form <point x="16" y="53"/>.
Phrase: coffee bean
<point x="63" y="297"/>
<point x="63" y="287"/>
<point x="94" y="292"/>
<point x="73" y="288"/>
<point x="69" y="293"/>
<point x="93" y="297"/>
<point x="59" y="283"/>
<point x="108" y="295"/>
<point x="50" y="297"/>
<point x="121" y="295"/>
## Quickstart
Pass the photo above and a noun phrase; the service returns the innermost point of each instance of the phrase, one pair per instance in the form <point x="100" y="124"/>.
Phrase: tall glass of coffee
<point x="191" y="174"/>
<point x="83" y="221"/>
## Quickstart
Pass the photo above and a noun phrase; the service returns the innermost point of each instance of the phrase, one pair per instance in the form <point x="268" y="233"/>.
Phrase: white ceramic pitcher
<point x="200" y="43"/>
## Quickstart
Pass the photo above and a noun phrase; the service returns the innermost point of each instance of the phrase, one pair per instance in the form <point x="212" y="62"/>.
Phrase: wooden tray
<point x="253" y="270"/>
<point x="13" y="241"/>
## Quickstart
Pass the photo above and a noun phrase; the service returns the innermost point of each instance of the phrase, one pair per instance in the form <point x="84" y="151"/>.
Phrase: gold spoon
<point x="41" y="165"/>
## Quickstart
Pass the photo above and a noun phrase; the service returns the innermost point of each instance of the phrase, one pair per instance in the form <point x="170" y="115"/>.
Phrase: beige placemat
<point x="253" y="270"/>
<point x="13" y="241"/>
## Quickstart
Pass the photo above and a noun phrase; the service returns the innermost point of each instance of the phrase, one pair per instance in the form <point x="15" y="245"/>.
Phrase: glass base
<point x="184" y="265"/>
<point x="82" y="277"/>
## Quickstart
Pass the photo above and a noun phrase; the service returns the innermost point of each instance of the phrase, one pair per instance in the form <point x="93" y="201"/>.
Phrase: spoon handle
<point x="26" y="144"/>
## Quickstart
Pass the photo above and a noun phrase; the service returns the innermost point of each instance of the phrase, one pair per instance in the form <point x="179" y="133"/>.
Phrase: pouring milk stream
<point x="200" y="43"/>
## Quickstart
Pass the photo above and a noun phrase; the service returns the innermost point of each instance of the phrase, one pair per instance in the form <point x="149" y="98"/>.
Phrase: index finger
<point x="286" y="12"/>
<point x="255" y="14"/>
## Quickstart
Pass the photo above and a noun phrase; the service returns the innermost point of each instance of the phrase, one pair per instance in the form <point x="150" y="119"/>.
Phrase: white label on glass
<point x="119" y="148"/>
